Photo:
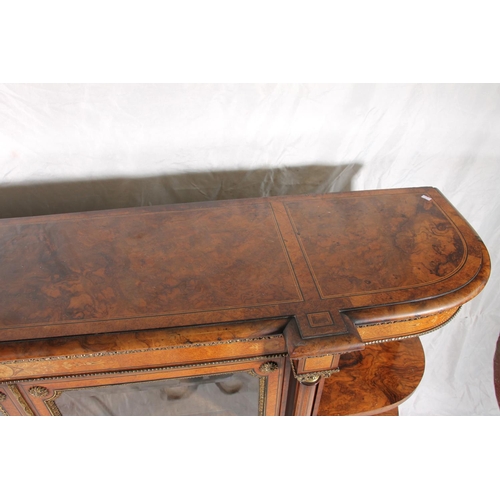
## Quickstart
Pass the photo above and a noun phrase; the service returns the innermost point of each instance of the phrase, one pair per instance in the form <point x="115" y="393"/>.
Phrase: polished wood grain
<point x="389" y="413"/>
<point x="316" y="282"/>
<point x="309" y="257"/>
<point x="374" y="381"/>
<point x="103" y="267"/>
<point x="408" y="242"/>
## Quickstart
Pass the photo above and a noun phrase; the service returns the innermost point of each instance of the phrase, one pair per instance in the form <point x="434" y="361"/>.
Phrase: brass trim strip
<point x="133" y="351"/>
<point x="262" y="396"/>
<point x="419" y="334"/>
<point x="51" y="404"/>
<point x="158" y="369"/>
<point x="14" y="389"/>
<point x="3" y="397"/>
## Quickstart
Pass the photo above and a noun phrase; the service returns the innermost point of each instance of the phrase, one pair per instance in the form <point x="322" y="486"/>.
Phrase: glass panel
<point x="228" y="394"/>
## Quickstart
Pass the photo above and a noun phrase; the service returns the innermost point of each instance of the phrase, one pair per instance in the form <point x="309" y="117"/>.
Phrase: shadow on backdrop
<point x="101" y="194"/>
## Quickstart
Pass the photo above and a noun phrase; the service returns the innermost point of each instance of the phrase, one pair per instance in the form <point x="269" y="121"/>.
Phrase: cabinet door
<point x="251" y="387"/>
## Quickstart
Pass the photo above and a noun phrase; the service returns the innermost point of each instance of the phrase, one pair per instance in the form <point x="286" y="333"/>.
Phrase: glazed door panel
<point x="234" y="389"/>
<point x="210" y="395"/>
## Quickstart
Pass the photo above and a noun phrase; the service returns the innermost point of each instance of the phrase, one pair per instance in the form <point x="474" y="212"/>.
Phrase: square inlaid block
<point x="320" y="319"/>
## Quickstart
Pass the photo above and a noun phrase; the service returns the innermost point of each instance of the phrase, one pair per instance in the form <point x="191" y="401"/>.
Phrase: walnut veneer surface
<point x="318" y="277"/>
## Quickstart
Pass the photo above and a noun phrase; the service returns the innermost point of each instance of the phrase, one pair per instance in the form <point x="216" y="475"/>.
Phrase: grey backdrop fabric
<point x="86" y="147"/>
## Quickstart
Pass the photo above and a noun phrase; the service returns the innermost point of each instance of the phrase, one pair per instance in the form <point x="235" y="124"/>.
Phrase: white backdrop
<point x="79" y="147"/>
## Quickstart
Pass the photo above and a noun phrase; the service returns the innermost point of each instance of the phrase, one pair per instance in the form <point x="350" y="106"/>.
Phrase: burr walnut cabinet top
<point x="330" y="261"/>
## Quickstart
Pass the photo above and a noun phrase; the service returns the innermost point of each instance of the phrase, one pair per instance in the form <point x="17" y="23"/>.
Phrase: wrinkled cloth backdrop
<point x="93" y="146"/>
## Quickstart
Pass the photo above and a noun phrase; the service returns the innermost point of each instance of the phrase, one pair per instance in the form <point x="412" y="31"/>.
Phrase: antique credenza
<point x="294" y="305"/>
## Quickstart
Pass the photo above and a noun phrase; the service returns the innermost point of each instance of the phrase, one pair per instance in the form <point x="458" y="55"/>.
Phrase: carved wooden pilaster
<point x="312" y="361"/>
<point x="304" y="397"/>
